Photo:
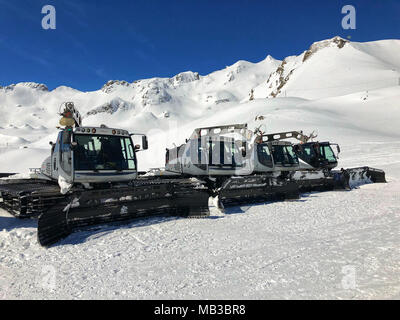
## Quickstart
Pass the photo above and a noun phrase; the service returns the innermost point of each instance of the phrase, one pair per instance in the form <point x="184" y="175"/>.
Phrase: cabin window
<point x="264" y="155"/>
<point x="97" y="152"/>
<point x="284" y="155"/>
<point x="328" y="153"/>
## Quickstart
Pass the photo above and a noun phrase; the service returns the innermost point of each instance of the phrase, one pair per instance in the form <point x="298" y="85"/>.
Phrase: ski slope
<point x="289" y="250"/>
<point x="340" y="245"/>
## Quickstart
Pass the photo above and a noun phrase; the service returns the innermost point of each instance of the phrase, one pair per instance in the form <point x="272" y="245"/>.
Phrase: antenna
<point x="312" y="136"/>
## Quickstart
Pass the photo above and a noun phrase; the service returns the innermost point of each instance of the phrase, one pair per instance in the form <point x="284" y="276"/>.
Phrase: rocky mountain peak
<point x="185" y="77"/>
<point x="112" y="84"/>
<point x="316" y="46"/>
<point x="31" y="85"/>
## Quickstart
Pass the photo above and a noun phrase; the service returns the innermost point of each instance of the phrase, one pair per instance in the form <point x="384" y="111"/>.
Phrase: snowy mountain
<point x="335" y="83"/>
<point x="306" y="249"/>
<point x="335" y="67"/>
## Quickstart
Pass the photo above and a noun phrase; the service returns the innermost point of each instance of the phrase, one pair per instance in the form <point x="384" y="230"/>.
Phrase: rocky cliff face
<point x="30" y="85"/>
<point x="112" y="85"/>
<point x="315" y="47"/>
<point x="277" y="81"/>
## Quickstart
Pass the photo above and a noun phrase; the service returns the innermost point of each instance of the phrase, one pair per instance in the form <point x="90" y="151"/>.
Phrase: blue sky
<point x="98" y="40"/>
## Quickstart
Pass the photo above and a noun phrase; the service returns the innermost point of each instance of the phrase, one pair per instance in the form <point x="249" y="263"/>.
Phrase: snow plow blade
<point x="354" y="177"/>
<point x="252" y="189"/>
<point x="183" y="198"/>
<point x="346" y="179"/>
<point x="373" y="174"/>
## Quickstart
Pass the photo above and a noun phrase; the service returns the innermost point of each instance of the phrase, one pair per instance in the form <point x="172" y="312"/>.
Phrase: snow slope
<point x="289" y="250"/>
<point x="348" y="92"/>
<point x="335" y="67"/>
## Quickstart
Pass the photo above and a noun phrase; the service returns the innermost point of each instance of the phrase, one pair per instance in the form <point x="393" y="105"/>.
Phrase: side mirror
<point x="51" y="143"/>
<point x="145" y="143"/>
<point x="338" y="149"/>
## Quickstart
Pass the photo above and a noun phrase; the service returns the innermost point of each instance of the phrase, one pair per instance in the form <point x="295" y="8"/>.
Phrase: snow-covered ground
<point x="342" y="244"/>
<point x="309" y="248"/>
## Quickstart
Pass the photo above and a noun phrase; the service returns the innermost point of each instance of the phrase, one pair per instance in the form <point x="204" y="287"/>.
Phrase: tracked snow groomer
<point x="237" y="168"/>
<point x="91" y="177"/>
<point x="242" y="166"/>
<point x="317" y="161"/>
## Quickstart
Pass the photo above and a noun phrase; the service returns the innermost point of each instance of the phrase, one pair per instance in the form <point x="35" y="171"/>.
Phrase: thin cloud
<point x="139" y="37"/>
<point x="22" y="53"/>
<point x="77" y="43"/>
<point x="101" y="73"/>
<point x="21" y="12"/>
<point x="77" y="11"/>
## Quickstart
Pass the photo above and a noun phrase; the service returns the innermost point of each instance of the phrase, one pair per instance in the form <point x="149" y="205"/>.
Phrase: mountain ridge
<point x="295" y="93"/>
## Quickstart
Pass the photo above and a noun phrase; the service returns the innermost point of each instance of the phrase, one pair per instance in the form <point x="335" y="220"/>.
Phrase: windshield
<point x="328" y="153"/>
<point x="315" y="154"/>
<point x="284" y="155"/>
<point x="97" y="152"/>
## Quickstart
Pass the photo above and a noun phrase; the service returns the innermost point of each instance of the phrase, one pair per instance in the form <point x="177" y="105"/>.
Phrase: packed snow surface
<point x="341" y="244"/>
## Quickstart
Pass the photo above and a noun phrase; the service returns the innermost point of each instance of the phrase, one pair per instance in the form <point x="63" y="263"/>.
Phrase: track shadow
<point x="244" y="208"/>
<point x="214" y="217"/>
<point x="308" y="195"/>
<point x="9" y="223"/>
<point x="84" y="234"/>
<point x="236" y="210"/>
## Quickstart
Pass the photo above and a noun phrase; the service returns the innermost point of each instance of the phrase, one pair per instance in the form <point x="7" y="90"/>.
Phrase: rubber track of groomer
<point x="257" y="188"/>
<point x="27" y="198"/>
<point x="143" y="198"/>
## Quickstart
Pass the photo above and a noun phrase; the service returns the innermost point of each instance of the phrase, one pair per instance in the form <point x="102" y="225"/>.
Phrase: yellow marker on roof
<point x="67" y="122"/>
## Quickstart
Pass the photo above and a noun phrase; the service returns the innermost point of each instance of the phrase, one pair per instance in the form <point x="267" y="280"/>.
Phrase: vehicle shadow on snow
<point x="308" y="195"/>
<point x="84" y="234"/>
<point x="245" y="208"/>
<point x="237" y="210"/>
<point x="11" y="223"/>
<point x="89" y="233"/>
